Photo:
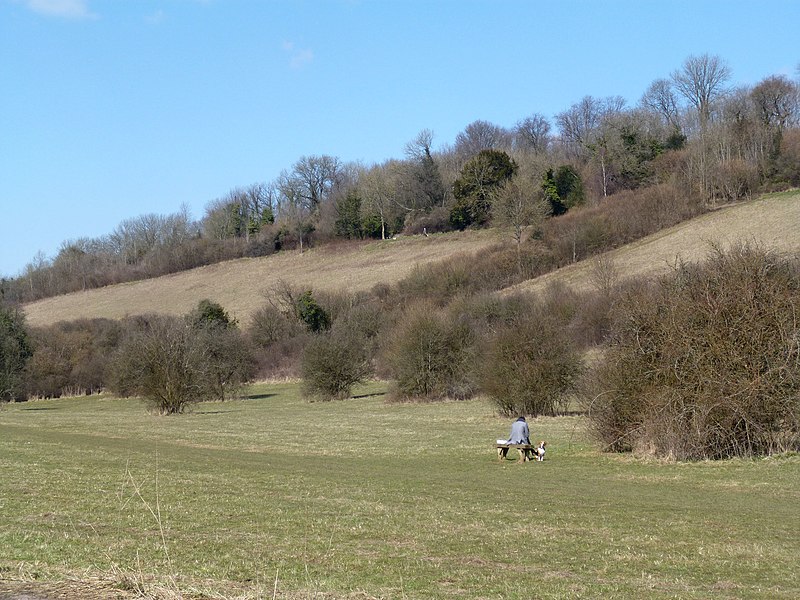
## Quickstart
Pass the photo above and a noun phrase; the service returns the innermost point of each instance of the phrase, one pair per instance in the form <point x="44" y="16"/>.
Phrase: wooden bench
<point x="525" y="451"/>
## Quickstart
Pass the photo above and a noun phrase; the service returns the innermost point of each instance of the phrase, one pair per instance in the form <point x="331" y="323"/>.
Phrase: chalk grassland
<point x="275" y="497"/>
<point x="772" y="221"/>
<point x="240" y="285"/>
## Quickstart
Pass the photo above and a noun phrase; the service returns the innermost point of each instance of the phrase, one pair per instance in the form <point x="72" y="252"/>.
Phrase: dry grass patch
<point x="771" y="221"/>
<point x="239" y="285"/>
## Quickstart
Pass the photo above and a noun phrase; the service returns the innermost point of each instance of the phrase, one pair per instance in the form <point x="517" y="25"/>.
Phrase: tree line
<point x="689" y="131"/>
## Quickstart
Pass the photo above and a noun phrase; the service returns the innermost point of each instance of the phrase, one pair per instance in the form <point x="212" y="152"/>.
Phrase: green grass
<point x="363" y="499"/>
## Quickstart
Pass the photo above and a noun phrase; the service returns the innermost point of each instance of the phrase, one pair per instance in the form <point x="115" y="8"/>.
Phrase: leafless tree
<point x="777" y="100"/>
<point x="580" y="123"/>
<point x="519" y="205"/>
<point x="660" y="99"/>
<point x="378" y="187"/>
<point x="480" y="135"/>
<point x="532" y="133"/>
<point x="700" y="81"/>
<point x="313" y="178"/>
<point x="421" y="146"/>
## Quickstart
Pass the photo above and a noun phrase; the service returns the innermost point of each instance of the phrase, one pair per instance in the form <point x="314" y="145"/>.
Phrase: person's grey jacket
<point x="519" y="432"/>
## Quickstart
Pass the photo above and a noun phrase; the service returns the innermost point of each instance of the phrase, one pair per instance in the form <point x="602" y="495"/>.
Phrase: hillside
<point x="773" y="221"/>
<point x="240" y="285"/>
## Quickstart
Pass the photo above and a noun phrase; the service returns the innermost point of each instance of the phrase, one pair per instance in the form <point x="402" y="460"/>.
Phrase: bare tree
<point x="532" y="133"/>
<point x="518" y="206"/>
<point x="480" y="135"/>
<point x="313" y="179"/>
<point x="660" y="99"/>
<point x="777" y="100"/>
<point x="701" y="80"/>
<point x="579" y="125"/>
<point x="378" y="188"/>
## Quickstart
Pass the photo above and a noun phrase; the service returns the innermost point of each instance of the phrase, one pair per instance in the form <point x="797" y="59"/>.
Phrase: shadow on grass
<point x="41" y="408"/>
<point x="373" y="395"/>
<point x="258" y="396"/>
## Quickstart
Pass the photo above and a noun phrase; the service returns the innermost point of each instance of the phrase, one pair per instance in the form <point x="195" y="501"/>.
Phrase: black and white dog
<point x="540" y="450"/>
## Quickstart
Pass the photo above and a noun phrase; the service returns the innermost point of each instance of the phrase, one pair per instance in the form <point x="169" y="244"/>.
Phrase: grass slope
<point x="773" y="221"/>
<point x="239" y="285"/>
<point x="276" y="497"/>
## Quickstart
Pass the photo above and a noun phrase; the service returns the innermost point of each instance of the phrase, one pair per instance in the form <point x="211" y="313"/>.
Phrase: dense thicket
<point x="706" y="363"/>
<point x="72" y="357"/>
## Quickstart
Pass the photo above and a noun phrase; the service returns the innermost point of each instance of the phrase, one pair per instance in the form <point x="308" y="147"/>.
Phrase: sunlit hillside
<point x="240" y="285"/>
<point x="773" y="222"/>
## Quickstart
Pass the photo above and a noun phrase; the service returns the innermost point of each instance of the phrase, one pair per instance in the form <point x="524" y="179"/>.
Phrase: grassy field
<point x="275" y="497"/>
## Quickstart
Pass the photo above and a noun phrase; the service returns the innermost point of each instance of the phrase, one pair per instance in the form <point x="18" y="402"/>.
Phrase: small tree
<point x="475" y="189"/>
<point x="172" y="362"/>
<point x="518" y="207"/>
<point x="227" y="361"/>
<point x="158" y="361"/>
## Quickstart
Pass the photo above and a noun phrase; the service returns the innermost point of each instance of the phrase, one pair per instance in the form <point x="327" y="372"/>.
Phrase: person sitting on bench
<point x="520" y="434"/>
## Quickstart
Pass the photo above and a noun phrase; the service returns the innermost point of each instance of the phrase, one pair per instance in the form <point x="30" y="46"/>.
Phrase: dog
<point x="540" y="450"/>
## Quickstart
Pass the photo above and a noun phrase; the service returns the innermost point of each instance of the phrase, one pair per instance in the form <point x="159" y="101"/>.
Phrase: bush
<point x="705" y="364"/>
<point x="333" y="363"/>
<point x="227" y="359"/>
<point x="530" y="366"/>
<point x="172" y="363"/>
<point x="431" y="356"/>
<point x="158" y="361"/>
<point x="269" y="326"/>
<point x="309" y="311"/>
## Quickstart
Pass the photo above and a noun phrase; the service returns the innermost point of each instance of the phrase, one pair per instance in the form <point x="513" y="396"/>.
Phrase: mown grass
<point x="272" y="496"/>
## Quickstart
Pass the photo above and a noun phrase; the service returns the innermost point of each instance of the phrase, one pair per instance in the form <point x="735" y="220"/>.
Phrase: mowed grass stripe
<point x="390" y="500"/>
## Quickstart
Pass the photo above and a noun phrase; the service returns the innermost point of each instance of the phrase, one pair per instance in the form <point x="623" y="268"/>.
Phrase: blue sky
<point x="111" y="109"/>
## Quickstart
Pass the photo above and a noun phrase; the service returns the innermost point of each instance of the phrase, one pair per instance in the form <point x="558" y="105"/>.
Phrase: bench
<point x="525" y="451"/>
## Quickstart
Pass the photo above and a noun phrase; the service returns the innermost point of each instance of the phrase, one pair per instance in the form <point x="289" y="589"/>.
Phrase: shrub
<point x="158" y="361"/>
<point x="171" y="362"/>
<point x="309" y="311"/>
<point x="333" y="363"/>
<point x="226" y="360"/>
<point x="431" y="356"/>
<point x="210" y="313"/>
<point x="530" y="366"/>
<point x="705" y="364"/>
<point x="269" y="326"/>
